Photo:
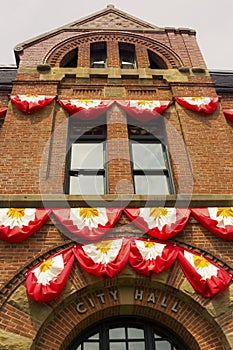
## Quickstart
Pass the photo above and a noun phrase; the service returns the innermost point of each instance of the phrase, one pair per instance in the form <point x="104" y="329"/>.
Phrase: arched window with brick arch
<point x="128" y="333"/>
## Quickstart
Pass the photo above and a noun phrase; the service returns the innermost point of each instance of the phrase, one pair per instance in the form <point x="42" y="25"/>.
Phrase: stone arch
<point x="151" y="299"/>
<point x="165" y="54"/>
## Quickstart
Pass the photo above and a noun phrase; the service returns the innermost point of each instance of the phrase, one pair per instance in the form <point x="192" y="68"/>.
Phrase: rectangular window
<point x="150" y="163"/>
<point x="86" y="160"/>
<point x="98" y="55"/>
<point x="127" y="56"/>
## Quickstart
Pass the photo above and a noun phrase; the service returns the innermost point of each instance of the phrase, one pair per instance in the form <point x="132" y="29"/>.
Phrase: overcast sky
<point x="213" y="21"/>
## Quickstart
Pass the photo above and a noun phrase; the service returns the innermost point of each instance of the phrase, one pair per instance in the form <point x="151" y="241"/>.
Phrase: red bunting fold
<point x="144" y="110"/>
<point x="206" y="277"/>
<point x="218" y="221"/>
<point x="105" y="258"/>
<point x="88" y="223"/>
<point x="45" y="281"/>
<point x="28" y="103"/>
<point x="161" y="223"/>
<point x="17" y="224"/>
<point x="86" y="109"/>
<point x="147" y="257"/>
<point x="2" y="112"/>
<point x="228" y="114"/>
<point x="206" y="105"/>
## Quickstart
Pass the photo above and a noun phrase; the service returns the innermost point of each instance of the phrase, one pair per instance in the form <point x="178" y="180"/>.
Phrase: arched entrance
<point x="128" y="333"/>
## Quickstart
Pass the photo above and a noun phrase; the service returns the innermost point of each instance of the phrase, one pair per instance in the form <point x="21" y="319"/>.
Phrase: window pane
<point x="117" y="346"/>
<point x="137" y="345"/>
<point x="87" y="156"/>
<point x="151" y="184"/>
<point x="163" y="345"/>
<point x="95" y="336"/>
<point x="148" y="156"/>
<point x="135" y="333"/>
<point x="87" y="184"/>
<point x="117" y="333"/>
<point x="90" y="346"/>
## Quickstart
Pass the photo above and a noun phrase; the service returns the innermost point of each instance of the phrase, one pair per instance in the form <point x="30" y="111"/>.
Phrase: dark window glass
<point x="70" y="59"/>
<point x="98" y="55"/>
<point x="127" y="56"/>
<point x="134" y="335"/>
<point x="155" y="61"/>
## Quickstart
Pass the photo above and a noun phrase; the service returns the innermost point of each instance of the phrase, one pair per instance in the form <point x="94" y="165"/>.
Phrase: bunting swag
<point x="218" y="221"/>
<point x="105" y="258"/>
<point x="206" y="105"/>
<point x="88" y="223"/>
<point x="2" y="112"/>
<point x="45" y="281"/>
<point x="206" y="277"/>
<point x="147" y="257"/>
<point x="17" y="224"/>
<point x="28" y="103"/>
<point x="86" y="109"/>
<point x="228" y="114"/>
<point x="161" y="223"/>
<point x="144" y="110"/>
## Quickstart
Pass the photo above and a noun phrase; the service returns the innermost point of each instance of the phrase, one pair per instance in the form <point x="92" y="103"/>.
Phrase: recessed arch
<point x="90" y="305"/>
<point x="166" y="56"/>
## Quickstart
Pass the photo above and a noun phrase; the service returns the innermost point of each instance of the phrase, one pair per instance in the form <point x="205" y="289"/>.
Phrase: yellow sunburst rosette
<point x="147" y="256"/>
<point x="88" y="224"/>
<point x="31" y="102"/>
<point x="206" y="277"/>
<point x="159" y="222"/>
<point x="217" y="220"/>
<point x="144" y="110"/>
<point x="203" y="104"/>
<point x="86" y="109"/>
<point x="17" y="224"/>
<point x="104" y="258"/>
<point x="46" y="280"/>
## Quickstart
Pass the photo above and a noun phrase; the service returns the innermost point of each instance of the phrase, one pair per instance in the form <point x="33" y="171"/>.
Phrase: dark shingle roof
<point x="223" y="80"/>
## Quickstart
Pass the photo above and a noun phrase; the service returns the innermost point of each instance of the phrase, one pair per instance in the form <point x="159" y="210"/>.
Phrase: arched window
<point x="70" y="59"/>
<point x="128" y="333"/>
<point x="155" y="61"/>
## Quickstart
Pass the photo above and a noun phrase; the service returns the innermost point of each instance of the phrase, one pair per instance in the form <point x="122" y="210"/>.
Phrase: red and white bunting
<point x="206" y="277"/>
<point x="105" y="258"/>
<point x="206" y="105"/>
<point x="144" y="110"/>
<point x="47" y="279"/>
<point x="161" y="223"/>
<point x="86" y="109"/>
<point x="17" y="224"/>
<point x="147" y="257"/>
<point x="3" y="112"/>
<point x="218" y="221"/>
<point x="88" y="223"/>
<point x="28" y="103"/>
<point x="228" y="114"/>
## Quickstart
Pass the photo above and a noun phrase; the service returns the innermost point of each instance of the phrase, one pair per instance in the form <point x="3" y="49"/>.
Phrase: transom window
<point x="86" y="160"/>
<point x="149" y="162"/>
<point x="128" y="334"/>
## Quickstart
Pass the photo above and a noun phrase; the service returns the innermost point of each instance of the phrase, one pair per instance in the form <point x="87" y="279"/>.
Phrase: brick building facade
<point x="113" y="56"/>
